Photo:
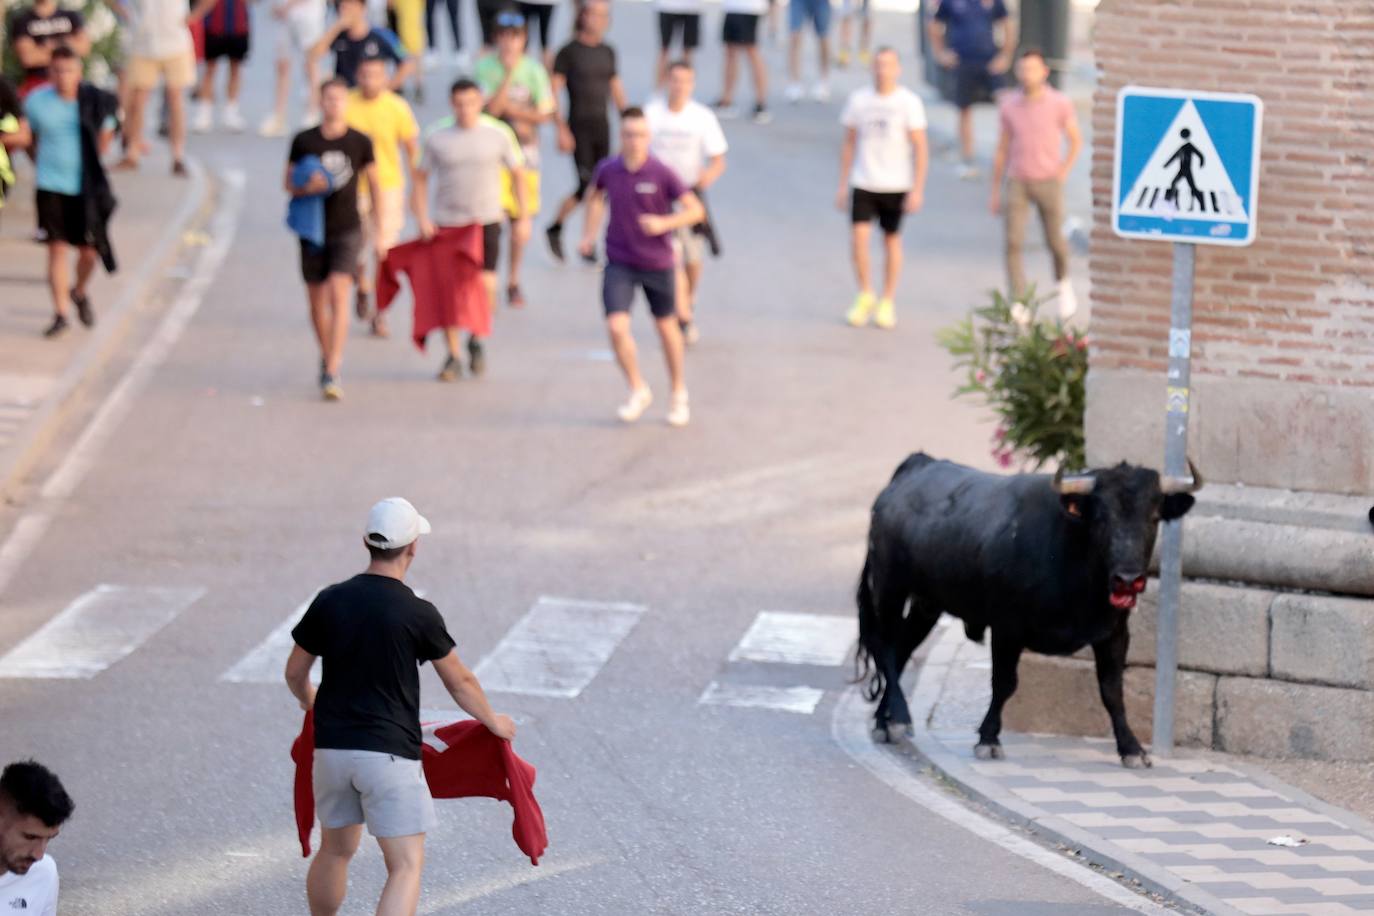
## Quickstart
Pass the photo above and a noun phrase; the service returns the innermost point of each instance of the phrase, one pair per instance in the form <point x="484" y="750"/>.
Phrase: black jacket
<point x="94" y="107"/>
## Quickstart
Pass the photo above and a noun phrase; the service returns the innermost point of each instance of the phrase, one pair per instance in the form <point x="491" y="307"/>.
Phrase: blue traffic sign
<point x="1187" y="166"/>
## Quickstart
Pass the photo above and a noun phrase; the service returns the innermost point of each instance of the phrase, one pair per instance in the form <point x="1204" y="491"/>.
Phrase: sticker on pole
<point x="1187" y="166"/>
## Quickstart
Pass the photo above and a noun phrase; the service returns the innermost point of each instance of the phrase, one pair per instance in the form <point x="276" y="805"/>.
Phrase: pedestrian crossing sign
<point x="1186" y="166"/>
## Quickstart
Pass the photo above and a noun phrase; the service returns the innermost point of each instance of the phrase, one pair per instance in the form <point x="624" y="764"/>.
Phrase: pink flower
<point x="980" y="376"/>
<point x="1004" y="459"/>
<point x="1082" y="343"/>
<point x="1000" y="434"/>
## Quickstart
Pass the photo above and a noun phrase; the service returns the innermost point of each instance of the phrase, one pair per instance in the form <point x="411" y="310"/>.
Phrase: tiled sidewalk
<point x="1194" y="826"/>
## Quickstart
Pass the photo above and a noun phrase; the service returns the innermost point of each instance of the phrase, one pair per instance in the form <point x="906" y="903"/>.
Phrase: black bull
<point x="1050" y="564"/>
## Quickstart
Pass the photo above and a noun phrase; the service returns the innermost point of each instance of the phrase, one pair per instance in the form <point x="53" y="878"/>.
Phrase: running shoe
<point x="272" y="126"/>
<point x="452" y="371"/>
<point x="886" y="315"/>
<point x="514" y="298"/>
<point x="202" y="118"/>
<point x="59" y="324"/>
<point x="430" y="60"/>
<point x="83" y="309"/>
<point x="179" y="169"/>
<point x="1068" y="300"/>
<point x="842" y="58"/>
<point x="310" y="119"/>
<point x="968" y="171"/>
<point x="725" y="110"/>
<point x="860" y="311"/>
<point x="761" y="114"/>
<point x="690" y="334"/>
<point x="821" y="92"/>
<point x="477" y="357"/>
<point x="324" y="373"/>
<point x="378" y="328"/>
<point x="634" y="408"/>
<point x="679" y="412"/>
<point x="330" y="388"/>
<point x="462" y="60"/>
<point x="555" y="236"/>
<point x="589" y="260"/>
<point x="794" y="92"/>
<point x="865" y="57"/>
<point x="362" y="304"/>
<point x="233" y="119"/>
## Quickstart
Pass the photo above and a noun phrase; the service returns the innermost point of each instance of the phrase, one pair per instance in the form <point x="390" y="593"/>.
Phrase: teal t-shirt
<point x="56" y="124"/>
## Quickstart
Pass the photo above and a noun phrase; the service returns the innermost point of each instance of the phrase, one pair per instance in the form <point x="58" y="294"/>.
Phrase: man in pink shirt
<point x="1036" y="120"/>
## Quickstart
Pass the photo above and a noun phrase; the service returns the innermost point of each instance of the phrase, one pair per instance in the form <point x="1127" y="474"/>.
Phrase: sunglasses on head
<point x="510" y="21"/>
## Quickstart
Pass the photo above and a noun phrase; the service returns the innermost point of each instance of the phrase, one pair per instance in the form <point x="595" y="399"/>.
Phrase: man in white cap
<point x="373" y="632"/>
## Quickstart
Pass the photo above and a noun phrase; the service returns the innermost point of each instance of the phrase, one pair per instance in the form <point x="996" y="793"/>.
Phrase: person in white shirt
<point x="300" y="23"/>
<point x="740" y="31"/>
<point x="678" y="20"/>
<point x="687" y="138"/>
<point x="883" y="176"/>
<point x="33" y="808"/>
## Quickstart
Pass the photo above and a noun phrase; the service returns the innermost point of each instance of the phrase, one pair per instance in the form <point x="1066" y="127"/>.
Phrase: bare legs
<point x="329" y="314"/>
<point x="860" y="235"/>
<point x="756" y="68"/>
<point x="327" y="882"/>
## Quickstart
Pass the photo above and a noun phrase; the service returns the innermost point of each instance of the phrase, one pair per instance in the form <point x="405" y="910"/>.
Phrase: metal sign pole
<point x="1175" y="465"/>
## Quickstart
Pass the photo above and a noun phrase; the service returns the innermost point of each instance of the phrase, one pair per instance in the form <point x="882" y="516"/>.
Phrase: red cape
<point x="445" y="276"/>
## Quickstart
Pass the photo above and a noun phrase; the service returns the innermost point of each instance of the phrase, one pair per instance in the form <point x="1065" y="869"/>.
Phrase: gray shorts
<point x="386" y="792"/>
<point x="689" y="247"/>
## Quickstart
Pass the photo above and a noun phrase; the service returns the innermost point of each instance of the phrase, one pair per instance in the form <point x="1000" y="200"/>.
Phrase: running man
<point x="373" y="633"/>
<point x="641" y="192"/>
<point x="1036" y="121"/>
<point x="33" y="808"/>
<point x="227" y="37"/>
<point x="300" y="23"/>
<point x="328" y="270"/>
<point x="678" y="21"/>
<point x="516" y="88"/>
<point x="740" y="32"/>
<point x="850" y="10"/>
<point x="354" y="39"/>
<point x="883" y="176"/>
<point x="465" y="161"/>
<point x="37" y="31"/>
<point x="586" y="67"/>
<point x="964" y="38"/>
<point x="798" y="12"/>
<point x="386" y="119"/>
<point x="687" y="138"/>
<point x="71" y="203"/>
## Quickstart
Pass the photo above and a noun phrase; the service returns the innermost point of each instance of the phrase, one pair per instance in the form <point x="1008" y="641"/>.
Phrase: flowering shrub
<point x="1030" y="372"/>
<point x="103" y="29"/>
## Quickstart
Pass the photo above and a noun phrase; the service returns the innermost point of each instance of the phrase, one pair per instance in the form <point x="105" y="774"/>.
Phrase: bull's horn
<point x="1074" y="484"/>
<point x="1190" y="484"/>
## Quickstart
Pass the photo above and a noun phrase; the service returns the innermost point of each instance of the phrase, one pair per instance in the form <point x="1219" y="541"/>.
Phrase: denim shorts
<point x="818" y="11"/>
<point x="618" y="286"/>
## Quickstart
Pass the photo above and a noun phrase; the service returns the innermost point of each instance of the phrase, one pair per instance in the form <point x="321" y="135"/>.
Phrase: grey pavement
<point x="217" y="492"/>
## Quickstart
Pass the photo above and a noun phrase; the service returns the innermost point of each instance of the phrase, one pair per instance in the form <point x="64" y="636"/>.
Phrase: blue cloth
<point x="305" y="215"/>
<point x="968" y="27"/>
<point x="57" y="125"/>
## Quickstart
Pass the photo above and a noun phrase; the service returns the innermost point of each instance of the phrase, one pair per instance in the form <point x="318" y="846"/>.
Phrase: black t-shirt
<point x="343" y="157"/>
<point x="9" y="100"/>
<point x="377" y="44"/>
<point x="46" y="31"/>
<point x="372" y="633"/>
<point x="588" y="70"/>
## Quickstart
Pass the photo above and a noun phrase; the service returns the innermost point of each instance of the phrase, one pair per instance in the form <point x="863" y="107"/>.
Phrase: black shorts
<point x="741" y="29"/>
<point x="338" y="255"/>
<point x="618" y="289"/>
<point x="486" y="19"/>
<point x="889" y="208"/>
<point x="537" y="14"/>
<point x="670" y="24"/>
<point x="234" y="47"/>
<point x="592" y="143"/>
<point x="973" y="83"/>
<point x="62" y="217"/>
<point x="491" y="247"/>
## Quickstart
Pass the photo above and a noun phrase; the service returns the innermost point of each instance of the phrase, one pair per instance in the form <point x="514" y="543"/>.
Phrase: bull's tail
<point x="864" y="668"/>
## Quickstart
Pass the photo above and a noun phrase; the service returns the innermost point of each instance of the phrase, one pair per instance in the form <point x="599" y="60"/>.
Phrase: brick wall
<point x="1298" y="305"/>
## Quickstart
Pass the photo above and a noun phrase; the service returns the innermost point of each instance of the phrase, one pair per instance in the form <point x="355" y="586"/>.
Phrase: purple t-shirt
<point x="652" y="189"/>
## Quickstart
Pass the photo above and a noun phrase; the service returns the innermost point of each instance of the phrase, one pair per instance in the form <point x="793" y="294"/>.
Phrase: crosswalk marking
<point x="797" y="639"/>
<point x="802" y="700"/>
<point x="96" y="630"/>
<point x="266" y="663"/>
<point x="558" y="647"/>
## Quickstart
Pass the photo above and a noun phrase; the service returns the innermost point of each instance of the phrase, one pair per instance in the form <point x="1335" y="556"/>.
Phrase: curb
<point x="19" y="456"/>
<point x="924" y="697"/>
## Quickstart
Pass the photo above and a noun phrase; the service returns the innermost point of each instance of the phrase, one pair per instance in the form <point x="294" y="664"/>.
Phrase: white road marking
<point x="849" y="728"/>
<point x="96" y="630"/>
<point x="802" y="700"/>
<point x="558" y="647"/>
<point x="499" y="884"/>
<point x="30" y="529"/>
<point x="797" y="639"/>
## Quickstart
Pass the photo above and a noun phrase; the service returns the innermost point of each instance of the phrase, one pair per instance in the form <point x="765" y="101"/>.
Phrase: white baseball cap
<point x="394" y="523"/>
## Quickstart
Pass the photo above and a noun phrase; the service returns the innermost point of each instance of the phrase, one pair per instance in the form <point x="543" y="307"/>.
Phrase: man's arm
<point x="317" y="184"/>
<point x="79" y="42"/>
<point x="19" y="138"/>
<point x="566" y="141"/>
<point x="298" y="665"/>
<point x="103" y="141"/>
<point x="30" y="52"/>
<point x="946" y="57"/>
<point x="1075" y="147"/>
<point x="715" y="167"/>
<point x="999" y="168"/>
<point x="419" y="201"/>
<point x="405" y="69"/>
<point x="1002" y="62"/>
<point x="374" y="191"/>
<point x="921" y="160"/>
<point x="618" y="95"/>
<point x="689" y="213"/>
<point x="200" y="11"/>
<point x="596" y="205"/>
<point x="846" y="164"/>
<point x="467" y="692"/>
<point x="321" y="48"/>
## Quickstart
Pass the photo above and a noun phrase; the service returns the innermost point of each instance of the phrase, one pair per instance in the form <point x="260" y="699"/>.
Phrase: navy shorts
<point x="671" y="24"/>
<point x="618" y="289"/>
<point x="974" y="84"/>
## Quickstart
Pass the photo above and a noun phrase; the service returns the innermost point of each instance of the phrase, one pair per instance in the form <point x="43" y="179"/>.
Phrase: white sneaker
<point x="233" y="119"/>
<point x="430" y="60"/>
<point x="680" y="412"/>
<point x="794" y="92"/>
<point x="272" y="126"/>
<point x="310" y="119"/>
<point x="821" y="92"/>
<point x="726" y="112"/>
<point x="634" y="408"/>
<point x="969" y="172"/>
<point x="203" y="118"/>
<point x="1068" y="301"/>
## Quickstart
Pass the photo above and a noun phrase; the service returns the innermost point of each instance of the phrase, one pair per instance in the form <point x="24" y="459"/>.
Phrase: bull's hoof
<point x="989" y="752"/>
<point x="1139" y="761"/>
<point x="891" y="733"/>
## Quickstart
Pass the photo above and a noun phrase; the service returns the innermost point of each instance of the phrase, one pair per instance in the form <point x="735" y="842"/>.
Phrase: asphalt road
<point x="227" y="493"/>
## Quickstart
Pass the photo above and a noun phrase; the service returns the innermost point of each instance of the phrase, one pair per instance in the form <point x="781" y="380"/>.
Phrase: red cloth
<point x="445" y="276"/>
<point x="461" y="760"/>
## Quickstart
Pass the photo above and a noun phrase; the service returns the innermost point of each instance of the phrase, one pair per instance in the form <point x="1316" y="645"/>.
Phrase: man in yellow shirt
<point x="387" y="120"/>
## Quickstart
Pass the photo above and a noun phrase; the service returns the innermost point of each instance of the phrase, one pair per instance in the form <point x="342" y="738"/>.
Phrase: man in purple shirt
<point x="641" y="192"/>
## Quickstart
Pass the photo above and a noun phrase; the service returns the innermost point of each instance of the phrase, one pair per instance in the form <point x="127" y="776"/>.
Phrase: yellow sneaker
<point x="860" y="311"/>
<point x="842" y="58"/>
<point x="865" y="58"/>
<point x="886" y="316"/>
